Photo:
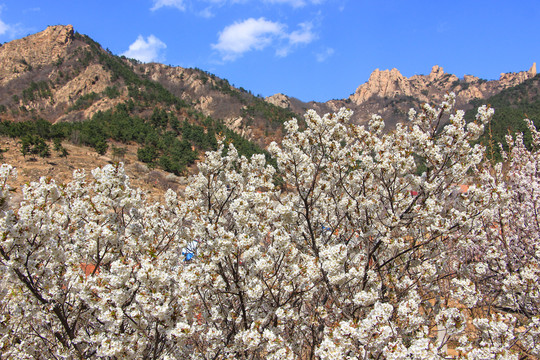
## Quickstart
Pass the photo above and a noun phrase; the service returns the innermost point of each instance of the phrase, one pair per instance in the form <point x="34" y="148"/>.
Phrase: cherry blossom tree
<point x="87" y="270"/>
<point x="500" y="269"/>
<point x="366" y="249"/>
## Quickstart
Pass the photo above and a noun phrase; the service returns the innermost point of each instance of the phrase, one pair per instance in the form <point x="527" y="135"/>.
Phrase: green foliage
<point x="160" y="118"/>
<point x="101" y="147"/>
<point x="37" y="90"/>
<point x="147" y="154"/>
<point x="204" y="139"/>
<point x="111" y="92"/>
<point x="84" y="102"/>
<point x="42" y="128"/>
<point x="511" y="106"/>
<point x="34" y="145"/>
<point x="25" y="145"/>
<point x="39" y="127"/>
<point x="62" y="151"/>
<point x="181" y="155"/>
<point x="175" y="124"/>
<point x="275" y="114"/>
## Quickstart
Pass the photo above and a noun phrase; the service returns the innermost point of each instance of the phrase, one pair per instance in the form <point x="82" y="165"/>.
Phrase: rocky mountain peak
<point x="280" y="100"/>
<point x="390" y="84"/>
<point x="386" y="83"/>
<point x="61" y="34"/>
<point x="513" y="79"/>
<point x="437" y="72"/>
<point x="532" y="70"/>
<point x="22" y="55"/>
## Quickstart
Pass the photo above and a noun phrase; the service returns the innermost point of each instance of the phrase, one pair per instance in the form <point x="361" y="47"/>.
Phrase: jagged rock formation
<point x="532" y="70"/>
<point x="45" y="48"/>
<point x="280" y="100"/>
<point x="391" y="84"/>
<point x="391" y="94"/>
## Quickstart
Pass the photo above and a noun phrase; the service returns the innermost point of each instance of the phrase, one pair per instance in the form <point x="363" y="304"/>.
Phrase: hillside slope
<point x="60" y="75"/>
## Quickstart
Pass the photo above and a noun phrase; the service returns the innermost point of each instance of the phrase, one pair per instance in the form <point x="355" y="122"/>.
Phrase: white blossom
<point x="349" y="249"/>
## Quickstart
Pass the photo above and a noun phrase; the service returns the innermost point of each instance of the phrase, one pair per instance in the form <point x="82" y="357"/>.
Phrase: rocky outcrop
<point x="93" y="79"/>
<point x="47" y="47"/>
<point x="280" y="100"/>
<point x="513" y="79"/>
<point x="386" y="83"/>
<point x="390" y="84"/>
<point x="532" y="70"/>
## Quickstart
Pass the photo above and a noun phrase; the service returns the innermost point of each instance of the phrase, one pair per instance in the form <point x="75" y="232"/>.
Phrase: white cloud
<point x="148" y="50"/>
<point x="257" y="34"/>
<point x="325" y="54"/>
<point x="10" y="30"/>
<point x="4" y="28"/>
<point x="250" y="34"/>
<point x="207" y="13"/>
<point x="179" y="4"/>
<point x="303" y="36"/>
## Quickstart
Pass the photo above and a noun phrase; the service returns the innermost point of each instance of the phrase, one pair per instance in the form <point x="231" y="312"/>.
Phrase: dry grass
<point x="153" y="181"/>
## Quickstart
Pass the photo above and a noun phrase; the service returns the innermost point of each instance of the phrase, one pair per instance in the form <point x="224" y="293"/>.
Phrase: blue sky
<point x="310" y="49"/>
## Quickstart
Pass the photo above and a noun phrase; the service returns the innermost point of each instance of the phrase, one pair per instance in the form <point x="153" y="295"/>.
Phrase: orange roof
<point x="88" y="269"/>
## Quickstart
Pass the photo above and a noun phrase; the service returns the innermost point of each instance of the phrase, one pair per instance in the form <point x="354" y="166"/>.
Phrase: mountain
<point x="45" y="74"/>
<point x="58" y="86"/>
<point x="64" y="77"/>
<point x="391" y="94"/>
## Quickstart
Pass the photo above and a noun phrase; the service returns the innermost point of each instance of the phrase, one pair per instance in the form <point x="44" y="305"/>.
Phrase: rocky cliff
<point x="35" y="51"/>
<point x="391" y="84"/>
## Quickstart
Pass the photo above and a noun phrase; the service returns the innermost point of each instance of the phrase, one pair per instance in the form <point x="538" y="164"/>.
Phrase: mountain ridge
<point x="390" y="94"/>
<point x="60" y="75"/>
<point x="168" y="116"/>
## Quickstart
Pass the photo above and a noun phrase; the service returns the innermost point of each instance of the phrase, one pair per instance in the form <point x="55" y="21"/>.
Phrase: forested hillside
<point x="511" y="106"/>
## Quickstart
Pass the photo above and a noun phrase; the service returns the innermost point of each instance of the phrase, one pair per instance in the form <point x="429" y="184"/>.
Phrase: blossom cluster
<point x="359" y="245"/>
